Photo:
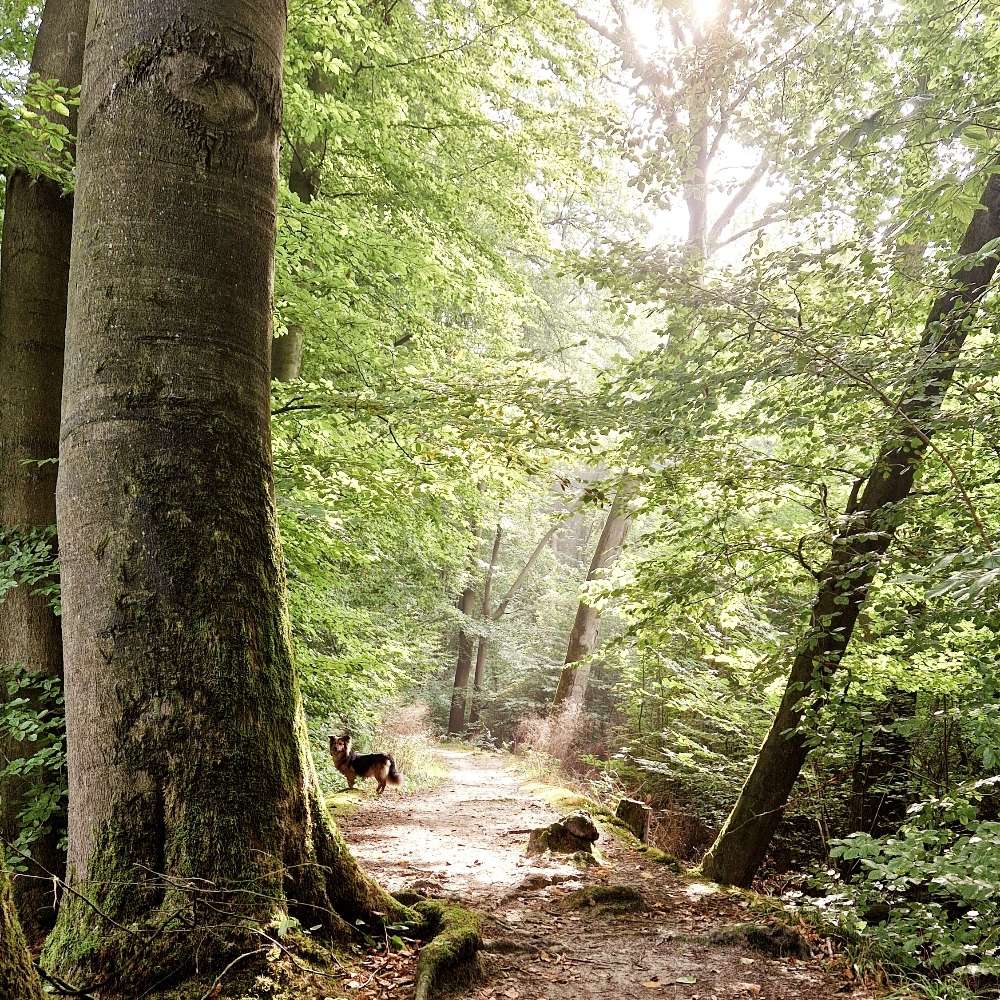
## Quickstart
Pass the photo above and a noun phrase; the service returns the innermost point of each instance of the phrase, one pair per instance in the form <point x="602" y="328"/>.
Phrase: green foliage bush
<point x="33" y="728"/>
<point x="927" y="899"/>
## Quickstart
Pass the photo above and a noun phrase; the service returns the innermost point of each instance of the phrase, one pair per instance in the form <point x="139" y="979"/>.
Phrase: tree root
<point x="453" y="953"/>
<point x="605" y="900"/>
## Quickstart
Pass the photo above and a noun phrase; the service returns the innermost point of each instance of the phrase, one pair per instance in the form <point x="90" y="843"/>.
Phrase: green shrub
<point x="927" y="899"/>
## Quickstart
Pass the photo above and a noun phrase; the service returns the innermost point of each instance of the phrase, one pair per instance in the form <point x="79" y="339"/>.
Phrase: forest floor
<point x="465" y="840"/>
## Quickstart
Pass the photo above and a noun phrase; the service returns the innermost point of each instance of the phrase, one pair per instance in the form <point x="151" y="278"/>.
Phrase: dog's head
<point x="340" y="746"/>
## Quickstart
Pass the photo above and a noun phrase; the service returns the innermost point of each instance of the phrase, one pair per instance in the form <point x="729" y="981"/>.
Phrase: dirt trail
<point x="466" y="839"/>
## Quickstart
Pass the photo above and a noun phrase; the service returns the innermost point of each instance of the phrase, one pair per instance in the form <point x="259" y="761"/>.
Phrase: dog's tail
<point x="394" y="777"/>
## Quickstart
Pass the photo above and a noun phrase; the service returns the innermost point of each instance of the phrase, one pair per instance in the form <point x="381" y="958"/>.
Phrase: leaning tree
<point x="869" y="525"/>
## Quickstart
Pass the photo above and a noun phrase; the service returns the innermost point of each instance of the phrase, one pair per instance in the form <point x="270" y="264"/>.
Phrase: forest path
<point x="466" y="839"/>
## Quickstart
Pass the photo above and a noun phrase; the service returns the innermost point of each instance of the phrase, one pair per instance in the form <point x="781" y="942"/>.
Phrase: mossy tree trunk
<point x="587" y="624"/>
<point x="34" y="275"/>
<point x="195" y="815"/>
<point x="870" y="523"/>
<point x="18" y="979"/>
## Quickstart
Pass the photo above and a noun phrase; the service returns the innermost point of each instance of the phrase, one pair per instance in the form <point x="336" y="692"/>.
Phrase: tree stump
<point x="635" y="815"/>
<point x="568" y="835"/>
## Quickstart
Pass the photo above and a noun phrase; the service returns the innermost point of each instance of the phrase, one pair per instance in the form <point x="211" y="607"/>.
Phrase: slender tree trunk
<point x="844" y="582"/>
<point x="882" y="778"/>
<point x="482" y="650"/>
<point x="463" y="666"/>
<point x="34" y="275"/>
<point x="304" y="175"/>
<point x="286" y="354"/>
<point x="586" y="627"/>
<point x="195" y="815"/>
<point x="519" y="580"/>
<point x="303" y="181"/>
<point x="18" y="979"/>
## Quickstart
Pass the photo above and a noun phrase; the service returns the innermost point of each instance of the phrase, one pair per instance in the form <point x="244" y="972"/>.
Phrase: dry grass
<point x="408" y="735"/>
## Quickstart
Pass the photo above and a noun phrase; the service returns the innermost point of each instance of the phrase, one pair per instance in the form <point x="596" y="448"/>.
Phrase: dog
<point x="352" y="765"/>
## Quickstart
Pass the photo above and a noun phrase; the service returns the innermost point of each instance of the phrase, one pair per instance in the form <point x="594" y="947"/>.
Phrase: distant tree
<point x="586" y="626"/>
<point x="482" y="650"/>
<point x="463" y="663"/>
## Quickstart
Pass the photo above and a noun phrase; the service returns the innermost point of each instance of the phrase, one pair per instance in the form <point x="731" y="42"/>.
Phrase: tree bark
<point x="18" y="979"/>
<point x="586" y="627"/>
<point x="195" y="814"/>
<point x="856" y="553"/>
<point x="34" y="275"/>
<point x="463" y="666"/>
<point x="482" y="651"/>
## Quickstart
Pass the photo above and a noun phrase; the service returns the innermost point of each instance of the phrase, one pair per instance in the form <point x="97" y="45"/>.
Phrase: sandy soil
<point x="466" y="840"/>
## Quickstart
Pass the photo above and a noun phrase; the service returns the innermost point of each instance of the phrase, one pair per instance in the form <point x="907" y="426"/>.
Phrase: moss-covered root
<point x="18" y="979"/>
<point x="452" y="955"/>
<point x="777" y="940"/>
<point x="605" y="900"/>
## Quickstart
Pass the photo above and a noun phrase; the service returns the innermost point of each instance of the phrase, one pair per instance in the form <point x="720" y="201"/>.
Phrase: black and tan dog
<point x="352" y="766"/>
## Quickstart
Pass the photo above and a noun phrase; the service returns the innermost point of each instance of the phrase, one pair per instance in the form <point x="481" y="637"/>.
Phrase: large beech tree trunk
<point x="870" y="524"/>
<point x="482" y="650"/>
<point x="18" y="979"/>
<point x="195" y="815"/>
<point x="34" y="274"/>
<point x="463" y="666"/>
<point x="587" y="625"/>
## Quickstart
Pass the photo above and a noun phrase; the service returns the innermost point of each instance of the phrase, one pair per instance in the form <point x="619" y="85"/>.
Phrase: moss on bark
<point x="18" y="980"/>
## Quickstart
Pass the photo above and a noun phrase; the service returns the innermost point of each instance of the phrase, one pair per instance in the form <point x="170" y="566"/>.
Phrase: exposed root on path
<point x="452" y="956"/>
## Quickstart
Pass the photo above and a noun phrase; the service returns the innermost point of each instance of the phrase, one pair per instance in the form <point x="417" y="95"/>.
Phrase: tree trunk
<point x="586" y="627"/>
<point x="286" y="354"/>
<point x="463" y="667"/>
<point x="536" y="552"/>
<point x="195" y="814"/>
<point x="34" y="275"/>
<point x="18" y="979"/>
<point x="303" y="181"/>
<point x="870" y="524"/>
<point x="882" y="777"/>
<point x="484" y="644"/>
